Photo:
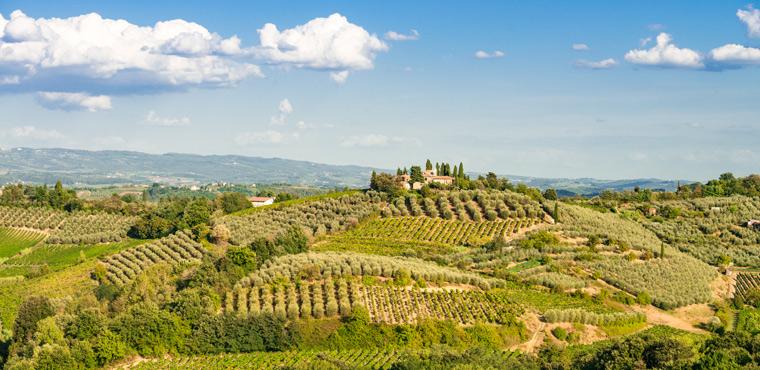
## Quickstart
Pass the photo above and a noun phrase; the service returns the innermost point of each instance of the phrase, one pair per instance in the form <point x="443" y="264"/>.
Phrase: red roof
<point x="260" y="199"/>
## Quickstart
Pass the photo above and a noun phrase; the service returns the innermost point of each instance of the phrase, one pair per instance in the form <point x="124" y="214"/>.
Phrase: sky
<point x="624" y="89"/>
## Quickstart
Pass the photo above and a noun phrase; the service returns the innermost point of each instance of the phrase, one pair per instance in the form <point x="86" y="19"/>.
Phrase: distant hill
<point x="589" y="187"/>
<point x="82" y="167"/>
<point x="120" y="167"/>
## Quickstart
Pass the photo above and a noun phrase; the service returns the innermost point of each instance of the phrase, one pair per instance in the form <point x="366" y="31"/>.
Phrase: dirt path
<point x="534" y="324"/>
<point x="659" y="317"/>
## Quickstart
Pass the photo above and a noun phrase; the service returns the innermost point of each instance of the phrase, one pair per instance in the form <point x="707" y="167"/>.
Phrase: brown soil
<point x="659" y="317"/>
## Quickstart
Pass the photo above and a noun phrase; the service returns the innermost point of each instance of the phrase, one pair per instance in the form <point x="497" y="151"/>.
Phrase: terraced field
<point x="348" y="359"/>
<point x="386" y="304"/>
<point x="13" y="241"/>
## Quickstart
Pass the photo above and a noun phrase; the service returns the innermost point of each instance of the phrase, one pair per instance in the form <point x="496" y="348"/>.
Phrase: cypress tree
<point x="406" y="171"/>
<point x="372" y="180"/>
<point x="437" y="168"/>
<point x="428" y="165"/>
<point x="398" y="171"/>
<point x="662" y="250"/>
<point x="461" y="170"/>
<point x="454" y="174"/>
<point x="556" y="212"/>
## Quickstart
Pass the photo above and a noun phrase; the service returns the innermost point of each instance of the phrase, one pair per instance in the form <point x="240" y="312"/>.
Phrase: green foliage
<point x="232" y="333"/>
<point x="559" y="333"/>
<point x="34" y="309"/>
<point x="232" y="202"/>
<point x="151" y="331"/>
<point x="291" y="242"/>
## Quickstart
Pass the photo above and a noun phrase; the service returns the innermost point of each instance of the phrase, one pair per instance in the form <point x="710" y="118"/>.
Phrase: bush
<point x="559" y="333"/>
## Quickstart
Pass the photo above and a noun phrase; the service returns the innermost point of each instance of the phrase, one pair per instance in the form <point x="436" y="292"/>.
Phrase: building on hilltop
<point x="430" y="177"/>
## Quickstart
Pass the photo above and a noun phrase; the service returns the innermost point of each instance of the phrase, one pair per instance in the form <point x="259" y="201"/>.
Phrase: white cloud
<point x="665" y="54"/>
<point x="34" y="133"/>
<point x="580" y="47"/>
<point x="331" y="43"/>
<point x="260" y="137"/>
<point x="395" y="36"/>
<point x="376" y="140"/>
<point x="482" y="54"/>
<point x="285" y="109"/>
<point x="10" y="80"/>
<point x="73" y="101"/>
<point x="156" y="120"/>
<point x="645" y="41"/>
<point x="339" y="77"/>
<point x="750" y="17"/>
<point x="602" y="64"/>
<point x="113" y="54"/>
<point x="734" y="54"/>
<point x="301" y="125"/>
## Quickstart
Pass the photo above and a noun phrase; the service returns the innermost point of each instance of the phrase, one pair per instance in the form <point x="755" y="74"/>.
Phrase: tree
<point x="220" y="234"/>
<point x="550" y="194"/>
<point x="556" y="212"/>
<point x="387" y="184"/>
<point x="196" y="212"/>
<point x="428" y="165"/>
<point x="399" y="172"/>
<point x="437" y="168"/>
<point x="233" y="202"/>
<point x="416" y="175"/>
<point x="34" y="309"/>
<point x="461" y="170"/>
<point x="662" y="250"/>
<point x="454" y="174"/>
<point x="372" y="180"/>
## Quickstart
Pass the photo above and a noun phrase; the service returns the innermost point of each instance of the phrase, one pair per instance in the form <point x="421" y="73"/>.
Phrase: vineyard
<point x="746" y="282"/>
<point x="316" y="218"/>
<point x="13" y="241"/>
<point x="436" y="230"/>
<point x="390" y="305"/>
<point x="298" y="360"/>
<point x="175" y="249"/>
<point x="323" y="265"/>
<point x="592" y="318"/>
<point x="466" y="205"/>
<point x="68" y="228"/>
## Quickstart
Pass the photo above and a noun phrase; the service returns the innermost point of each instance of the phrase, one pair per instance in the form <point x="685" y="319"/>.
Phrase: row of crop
<point x="315" y="218"/>
<point x="394" y="305"/>
<point x="333" y="264"/>
<point x="379" y="359"/>
<point x="68" y="228"/>
<point x="320" y="299"/>
<point x="175" y="249"/>
<point x="747" y="282"/>
<point x="33" y="218"/>
<point x="465" y="206"/>
<point x="593" y="318"/>
<point x="440" y="231"/>
<point x="675" y="281"/>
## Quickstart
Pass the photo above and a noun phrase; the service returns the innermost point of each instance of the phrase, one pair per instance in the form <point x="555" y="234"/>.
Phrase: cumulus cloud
<point x="103" y="56"/>
<point x="750" y="17"/>
<point x="107" y="54"/>
<point x="734" y="54"/>
<point x="284" y="110"/>
<point x="665" y="54"/>
<point x="482" y="54"/>
<point x="395" y="36"/>
<point x="331" y="43"/>
<point x="155" y="119"/>
<point x="339" y="77"/>
<point x="602" y="64"/>
<point x="73" y="101"/>
<point x="260" y="137"/>
<point x="580" y="47"/>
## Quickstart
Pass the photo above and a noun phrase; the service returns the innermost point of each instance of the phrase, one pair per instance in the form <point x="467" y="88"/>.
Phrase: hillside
<point x="120" y="167"/>
<point x="365" y="279"/>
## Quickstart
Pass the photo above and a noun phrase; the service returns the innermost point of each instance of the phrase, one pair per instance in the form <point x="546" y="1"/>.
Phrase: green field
<point x="13" y="241"/>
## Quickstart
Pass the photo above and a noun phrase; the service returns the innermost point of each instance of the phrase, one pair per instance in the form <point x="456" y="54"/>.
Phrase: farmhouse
<point x="430" y="177"/>
<point x="261" y="201"/>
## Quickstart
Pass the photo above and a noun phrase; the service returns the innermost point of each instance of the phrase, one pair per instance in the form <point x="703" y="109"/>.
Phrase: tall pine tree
<point x="428" y="165"/>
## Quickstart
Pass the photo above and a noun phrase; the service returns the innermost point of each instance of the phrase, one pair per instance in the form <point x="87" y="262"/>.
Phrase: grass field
<point x="61" y="256"/>
<point x="13" y="241"/>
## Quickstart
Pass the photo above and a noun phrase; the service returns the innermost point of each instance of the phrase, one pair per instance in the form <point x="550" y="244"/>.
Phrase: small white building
<point x="261" y="201"/>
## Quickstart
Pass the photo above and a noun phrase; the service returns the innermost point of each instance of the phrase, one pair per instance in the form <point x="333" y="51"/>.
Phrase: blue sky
<point x="553" y="89"/>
